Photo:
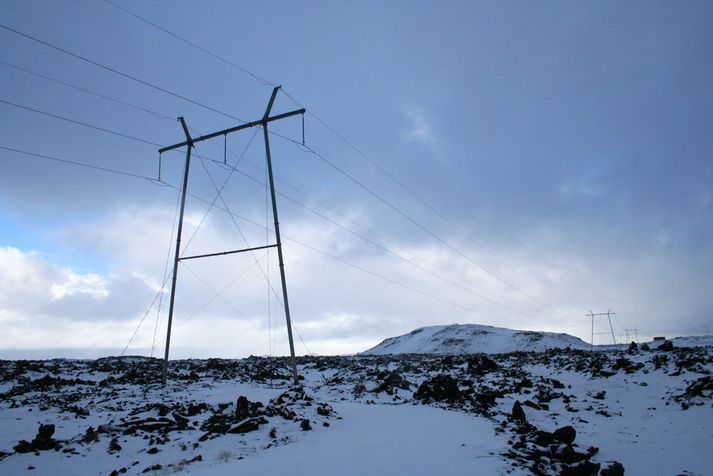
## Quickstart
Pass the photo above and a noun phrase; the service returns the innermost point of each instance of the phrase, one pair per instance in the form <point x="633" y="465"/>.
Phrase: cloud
<point x="336" y="307"/>
<point x="420" y="130"/>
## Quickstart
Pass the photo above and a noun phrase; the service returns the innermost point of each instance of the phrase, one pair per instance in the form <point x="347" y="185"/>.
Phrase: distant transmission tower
<point x="609" y="313"/>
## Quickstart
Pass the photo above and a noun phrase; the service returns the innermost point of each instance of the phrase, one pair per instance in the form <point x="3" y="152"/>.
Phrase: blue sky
<point x="567" y="145"/>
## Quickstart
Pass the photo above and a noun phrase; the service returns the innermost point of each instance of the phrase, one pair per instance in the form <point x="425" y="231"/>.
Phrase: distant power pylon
<point x="189" y="143"/>
<point x="609" y="313"/>
<point x="628" y="332"/>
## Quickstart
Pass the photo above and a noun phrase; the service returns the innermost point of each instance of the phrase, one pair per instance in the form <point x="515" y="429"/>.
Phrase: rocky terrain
<point x="559" y="411"/>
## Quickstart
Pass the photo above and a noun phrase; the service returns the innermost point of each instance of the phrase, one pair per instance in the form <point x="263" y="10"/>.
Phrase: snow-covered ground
<point x="651" y="411"/>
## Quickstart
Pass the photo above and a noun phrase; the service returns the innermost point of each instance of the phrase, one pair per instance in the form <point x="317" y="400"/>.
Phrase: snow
<point x="471" y="338"/>
<point x="383" y="440"/>
<point x="636" y="408"/>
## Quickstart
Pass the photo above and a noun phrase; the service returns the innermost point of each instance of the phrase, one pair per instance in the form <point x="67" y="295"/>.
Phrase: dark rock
<point x="480" y="364"/>
<point x="324" y="409"/>
<point x="305" y="425"/>
<point x="614" y="469"/>
<point x="517" y="413"/>
<point x="45" y="432"/>
<point x="633" y="348"/>
<point x="249" y="425"/>
<point x="585" y="468"/>
<point x="23" y="447"/>
<point x="152" y="451"/>
<point x="666" y="346"/>
<point x="114" y="445"/>
<point x="392" y="381"/>
<point x="645" y="347"/>
<point x="531" y="404"/>
<point x="566" y="434"/>
<point x="273" y="433"/>
<point x="90" y="436"/>
<point x="42" y="442"/>
<point x="600" y="395"/>
<point x="242" y="408"/>
<point x="442" y="388"/>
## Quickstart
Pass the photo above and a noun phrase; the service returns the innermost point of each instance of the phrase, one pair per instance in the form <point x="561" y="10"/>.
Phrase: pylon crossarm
<point x="223" y="253"/>
<point x="230" y="130"/>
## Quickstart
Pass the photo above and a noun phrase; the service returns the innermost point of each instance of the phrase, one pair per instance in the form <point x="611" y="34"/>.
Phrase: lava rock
<point x="566" y="434"/>
<point x="666" y="346"/>
<point x="517" y="413"/>
<point x="248" y="425"/>
<point x="585" y="468"/>
<point x="614" y="469"/>
<point x="442" y="388"/>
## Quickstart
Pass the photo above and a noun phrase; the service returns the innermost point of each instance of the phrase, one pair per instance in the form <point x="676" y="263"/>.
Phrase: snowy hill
<point x="472" y="338"/>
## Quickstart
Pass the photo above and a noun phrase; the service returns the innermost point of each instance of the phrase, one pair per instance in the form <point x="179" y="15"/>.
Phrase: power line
<point x="398" y="182"/>
<point x="85" y="90"/>
<point x="362" y="154"/>
<point x="212" y="204"/>
<point x="80" y="123"/>
<point x="257" y="78"/>
<point x="234" y="215"/>
<point x="116" y="71"/>
<point x="421" y="226"/>
<point x="83" y="164"/>
<point x="385" y="249"/>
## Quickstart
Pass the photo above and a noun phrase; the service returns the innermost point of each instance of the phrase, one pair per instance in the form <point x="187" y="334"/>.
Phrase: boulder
<point x="566" y="434"/>
<point x="517" y="413"/>
<point x="442" y="388"/>
<point x="614" y="469"/>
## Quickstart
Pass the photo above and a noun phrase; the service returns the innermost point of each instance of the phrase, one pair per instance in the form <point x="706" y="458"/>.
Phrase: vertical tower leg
<point x="164" y="372"/>
<point x="295" y="376"/>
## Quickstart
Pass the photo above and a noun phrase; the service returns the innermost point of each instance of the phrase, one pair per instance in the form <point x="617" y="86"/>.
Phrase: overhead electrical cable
<point x="83" y="164"/>
<point x="386" y="250"/>
<point x="88" y="91"/>
<point x="80" y="123"/>
<point x="116" y="71"/>
<point x="355" y="148"/>
<point x="255" y="223"/>
<point x="418" y="224"/>
<point x="190" y="43"/>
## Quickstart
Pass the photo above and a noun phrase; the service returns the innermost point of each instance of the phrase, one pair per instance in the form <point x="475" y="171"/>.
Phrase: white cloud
<point x="336" y="308"/>
<point x="420" y="130"/>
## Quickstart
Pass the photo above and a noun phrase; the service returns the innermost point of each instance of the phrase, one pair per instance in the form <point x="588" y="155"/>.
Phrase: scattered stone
<point x="566" y="434"/>
<point x="90" y="436"/>
<point x="614" y="469"/>
<point x="249" y="425"/>
<point x="42" y="442"/>
<point x="666" y="346"/>
<point x="442" y="388"/>
<point x="517" y="413"/>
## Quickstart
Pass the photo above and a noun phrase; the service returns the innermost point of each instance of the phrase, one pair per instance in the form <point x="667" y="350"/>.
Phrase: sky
<point x="515" y="164"/>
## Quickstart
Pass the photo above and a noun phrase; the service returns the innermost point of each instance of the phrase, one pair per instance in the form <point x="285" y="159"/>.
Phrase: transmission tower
<point x="609" y="313"/>
<point x="189" y="144"/>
